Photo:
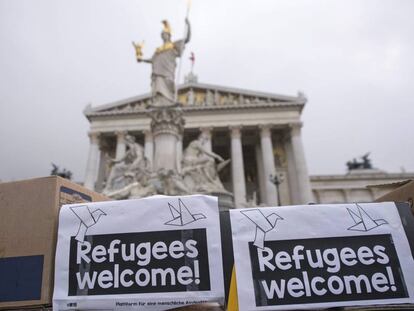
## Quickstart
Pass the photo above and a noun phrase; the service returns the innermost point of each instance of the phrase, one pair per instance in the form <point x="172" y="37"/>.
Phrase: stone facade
<point x="259" y="132"/>
<point x="355" y="186"/>
<point x="253" y="129"/>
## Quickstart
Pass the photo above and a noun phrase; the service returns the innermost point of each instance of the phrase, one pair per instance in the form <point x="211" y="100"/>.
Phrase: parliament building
<point x="260" y="132"/>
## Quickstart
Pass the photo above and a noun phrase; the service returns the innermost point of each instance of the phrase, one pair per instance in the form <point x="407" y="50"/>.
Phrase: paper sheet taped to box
<point x="155" y="253"/>
<point x="321" y="256"/>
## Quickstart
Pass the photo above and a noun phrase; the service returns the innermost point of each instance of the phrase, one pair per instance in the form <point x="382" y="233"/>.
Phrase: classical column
<point x="102" y="174"/>
<point x="237" y="168"/>
<point x="120" y="144"/>
<point x="167" y="125"/>
<point x="374" y="193"/>
<point x="190" y="97"/>
<point x="206" y="131"/>
<point x="304" y="187"/>
<point x="102" y="170"/>
<point x="347" y="195"/>
<point x="93" y="161"/>
<point x="291" y="172"/>
<point x="260" y="174"/>
<point x="318" y="196"/>
<point x="179" y="152"/>
<point x="149" y="147"/>
<point x="268" y="164"/>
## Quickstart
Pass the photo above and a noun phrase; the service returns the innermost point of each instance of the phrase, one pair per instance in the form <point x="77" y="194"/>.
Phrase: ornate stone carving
<point x="171" y="183"/>
<point x="134" y="190"/>
<point x="216" y="97"/>
<point x="131" y="176"/>
<point x="228" y="100"/>
<point x="199" y="100"/>
<point x="127" y="172"/>
<point x="241" y="100"/>
<point x="190" y="97"/>
<point x="167" y="120"/>
<point x="199" y="168"/>
<point x="209" y="98"/>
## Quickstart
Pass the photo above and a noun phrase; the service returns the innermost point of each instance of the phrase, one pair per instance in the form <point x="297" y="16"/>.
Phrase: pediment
<point x="200" y="96"/>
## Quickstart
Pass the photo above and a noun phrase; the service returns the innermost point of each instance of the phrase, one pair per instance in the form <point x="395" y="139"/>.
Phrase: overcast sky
<point x="353" y="60"/>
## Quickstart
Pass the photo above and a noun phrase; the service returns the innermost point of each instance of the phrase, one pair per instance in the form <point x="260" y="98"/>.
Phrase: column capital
<point x="317" y="194"/>
<point x="94" y="136"/>
<point x="206" y="130"/>
<point x="295" y="127"/>
<point x="147" y="133"/>
<point x="317" y="191"/>
<point x="235" y="131"/>
<point x="265" y="130"/>
<point x="121" y="133"/>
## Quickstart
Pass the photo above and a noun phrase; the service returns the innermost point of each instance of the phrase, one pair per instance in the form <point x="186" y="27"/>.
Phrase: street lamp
<point x="277" y="180"/>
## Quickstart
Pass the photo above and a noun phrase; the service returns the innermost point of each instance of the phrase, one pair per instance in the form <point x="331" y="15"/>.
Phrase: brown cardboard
<point x="404" y="192"/>
<point x="28" y="224"/>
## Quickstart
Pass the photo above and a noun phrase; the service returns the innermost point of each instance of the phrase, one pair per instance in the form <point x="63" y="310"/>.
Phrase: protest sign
<point x="155" y="253"/>
<point x="321" y="256"/>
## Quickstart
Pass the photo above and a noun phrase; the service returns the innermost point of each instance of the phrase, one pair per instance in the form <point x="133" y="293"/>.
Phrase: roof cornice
<point x="240" y="91"/>
<point x="194" y="108"/>
<point x="263" y="100"/>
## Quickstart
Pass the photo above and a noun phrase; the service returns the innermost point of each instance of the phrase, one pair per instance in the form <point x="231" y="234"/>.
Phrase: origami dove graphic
<point x="263" y="224"/>
<point x="181" y="215"/>
<point x="364" y="222"/>
<point x="87" y="218"/>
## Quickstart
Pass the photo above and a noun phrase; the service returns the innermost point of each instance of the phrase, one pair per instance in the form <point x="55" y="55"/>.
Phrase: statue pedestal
<point x="167" y="124"/>
<point x="165" y="152"/>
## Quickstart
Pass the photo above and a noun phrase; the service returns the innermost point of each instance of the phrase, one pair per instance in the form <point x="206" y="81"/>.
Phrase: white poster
<point x="320" y="256"/>
<point x="155" y="253"/>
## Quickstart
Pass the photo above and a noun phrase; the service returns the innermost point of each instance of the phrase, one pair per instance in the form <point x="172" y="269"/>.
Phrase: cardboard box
<point x="28" y="227"/>
<point x="403" y="192"/>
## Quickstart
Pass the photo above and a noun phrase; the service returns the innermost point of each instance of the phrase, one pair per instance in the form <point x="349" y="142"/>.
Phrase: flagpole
<point x="192" y="62"/>
<point x="177" y="79"/>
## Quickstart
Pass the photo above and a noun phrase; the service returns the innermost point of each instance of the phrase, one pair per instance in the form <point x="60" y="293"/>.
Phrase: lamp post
<point x="277" y="180"/>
